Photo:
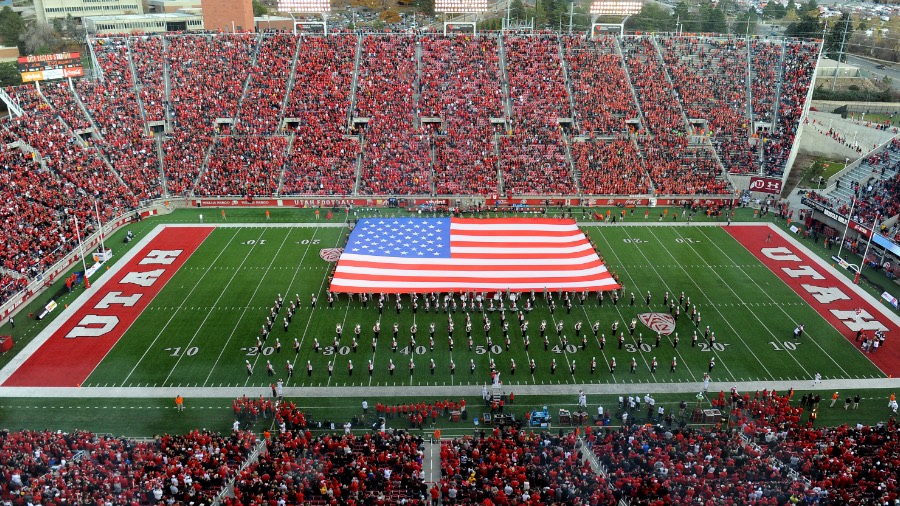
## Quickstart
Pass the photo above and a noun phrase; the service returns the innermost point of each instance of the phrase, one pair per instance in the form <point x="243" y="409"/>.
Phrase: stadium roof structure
<point x="616" y="7"/>
<point x="460" y="6"/>
<point x="304" y="6"/>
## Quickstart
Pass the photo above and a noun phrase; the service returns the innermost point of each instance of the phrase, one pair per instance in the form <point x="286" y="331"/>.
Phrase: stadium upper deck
<point x="382" y="115"/>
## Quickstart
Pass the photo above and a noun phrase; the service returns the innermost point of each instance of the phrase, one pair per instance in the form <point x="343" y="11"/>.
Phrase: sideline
<point x="76" y="304"/>
<point x="444" y="391"/>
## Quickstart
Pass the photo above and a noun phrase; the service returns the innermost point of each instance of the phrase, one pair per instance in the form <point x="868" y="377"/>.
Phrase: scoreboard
<point x="41" y="67"/>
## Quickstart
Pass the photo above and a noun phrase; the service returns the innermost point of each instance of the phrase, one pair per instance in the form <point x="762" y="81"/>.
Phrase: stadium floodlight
<point x="616" y="7"/>
<point x="460" y="6"/>
<point x="304" y="5"/>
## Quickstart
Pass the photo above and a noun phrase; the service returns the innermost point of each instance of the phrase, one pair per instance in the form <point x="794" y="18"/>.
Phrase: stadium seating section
<point x="765" y="451"/>
<point x="391" y="114"/>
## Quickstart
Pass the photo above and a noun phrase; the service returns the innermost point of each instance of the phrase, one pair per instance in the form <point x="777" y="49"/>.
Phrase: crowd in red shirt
<point x="799" y="62"/>
<point x="398" y="157"/>
<point x="322" y="161"/>
<point x="710" y="76"/>
<point x="42" y="192"/>
<point x="600" y="87"/>
<point x="260" y="107"/>
<point x="514" y="467"/>
<point x="298" y="467"/>
<point x="42" y="467"/>
<point x="877" y="194"/>
<point x="461" y="84"/>
<point x="532" y="156"/>
<point x="243" y="78"/>
<point x="113" y="105"/>
<point x="207" y="74"/>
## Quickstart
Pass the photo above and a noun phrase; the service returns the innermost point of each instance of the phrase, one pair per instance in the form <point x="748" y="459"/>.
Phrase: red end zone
<point x="831" y="297"/>
<point x="69" y="356"/>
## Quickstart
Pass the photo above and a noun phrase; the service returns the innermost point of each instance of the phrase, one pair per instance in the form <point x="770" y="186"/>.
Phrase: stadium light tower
<point x="626" y="8"/>
<point x="292" y="7"/>
<point x="465" y="8"/>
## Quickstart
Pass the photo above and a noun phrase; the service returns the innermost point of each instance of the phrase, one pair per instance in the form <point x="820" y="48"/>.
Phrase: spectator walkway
<point x="442" y="391"/>
<point x="431" y="462"/>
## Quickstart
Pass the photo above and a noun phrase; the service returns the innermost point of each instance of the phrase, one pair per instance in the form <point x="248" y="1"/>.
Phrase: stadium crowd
<point x="710" y="76"/>
<point x="322" y="160"/>
<point x="113" y="105"/>
<point x="299" y="467"/>
<point x="519" y="467"/>
<point x="46" y="467"/>
<point x="207" y="74"/>
<point x="532" y="155"/>
<point x="219" y="98"/>
<point x="398" y="157"/>
<point x="461" y="85"/>
<point x="600" y="87"/>
<point x="798" y="65"/>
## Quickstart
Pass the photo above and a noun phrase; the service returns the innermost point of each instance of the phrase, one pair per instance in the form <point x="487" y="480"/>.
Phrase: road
<point x="892" y="71"/>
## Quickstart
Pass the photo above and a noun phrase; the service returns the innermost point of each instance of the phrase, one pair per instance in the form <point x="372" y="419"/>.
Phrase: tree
<point x="11" y="26"/>
<point x="745" y="22"/>
<point x="41" y="38"/>
<point x="774" y="10"/>
<point x="682" y="15"/>
<point x="652" y="18"/>
<point x="837" y="38"/>
<point x="517" y="10"/>
<point x="259" y="9"/>
<point x="425" y="6"/>
<point x="808" y="24"/>
<point x="9" y="74"/>
<point x="715" y="21"/>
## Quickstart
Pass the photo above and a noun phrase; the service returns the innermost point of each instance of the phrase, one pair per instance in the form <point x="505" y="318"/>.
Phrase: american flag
<point x="402" y="255"/>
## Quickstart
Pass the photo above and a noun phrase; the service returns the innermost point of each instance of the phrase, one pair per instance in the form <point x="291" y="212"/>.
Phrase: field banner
<point x="80" y="343"/>
<point x="832" y="297"/>
<point x="765" y="185"/>
<point x="456" y="254"/>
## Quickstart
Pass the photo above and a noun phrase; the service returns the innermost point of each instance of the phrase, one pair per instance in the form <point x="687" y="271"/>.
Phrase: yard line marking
<point x="631" y="280"/>
<point x="244" y="312"/>
<point x="309" y="319"/>
<point x="766" y="293"/>
<point x="174" y="313"/>
<point x="205" y="318"/>
<point x="734" y="332"/>
<point x="343" y="325"/>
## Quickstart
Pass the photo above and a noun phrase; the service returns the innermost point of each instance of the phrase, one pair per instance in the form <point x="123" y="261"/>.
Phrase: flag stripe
<point x="519" y="254"/>
<point x="466" y="264"/>
<point x="474" y="263"/>
<point x="358" y="286"/>
<point x="501" y="250"/>
<point x="515" y="239"/>
<point x="442" y="275"/>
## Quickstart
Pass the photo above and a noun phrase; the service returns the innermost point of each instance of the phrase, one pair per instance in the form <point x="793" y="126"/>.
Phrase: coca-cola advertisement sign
<point x="765" y="185"/>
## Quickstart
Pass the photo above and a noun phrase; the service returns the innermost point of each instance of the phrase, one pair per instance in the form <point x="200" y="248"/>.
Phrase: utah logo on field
<point x="663" y="323"/>
<point x="330" y="254"/>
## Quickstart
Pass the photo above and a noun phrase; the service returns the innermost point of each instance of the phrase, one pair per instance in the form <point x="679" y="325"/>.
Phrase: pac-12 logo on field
<point x="330" y="254"/>
<point x="663" y="323"/>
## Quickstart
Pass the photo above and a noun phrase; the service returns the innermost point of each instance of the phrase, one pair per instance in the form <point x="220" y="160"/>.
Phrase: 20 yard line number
<point x="254" y="351"/>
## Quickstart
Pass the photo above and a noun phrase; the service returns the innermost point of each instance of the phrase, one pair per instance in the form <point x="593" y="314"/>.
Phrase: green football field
<point x="203" y="327"/>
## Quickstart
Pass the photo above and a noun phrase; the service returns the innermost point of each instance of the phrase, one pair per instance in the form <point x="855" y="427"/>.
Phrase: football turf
<point x="202" y="327"/>
<point x="747" y="305"/>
